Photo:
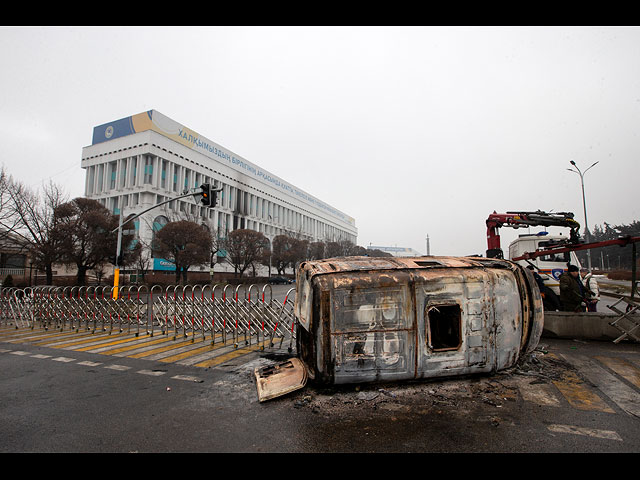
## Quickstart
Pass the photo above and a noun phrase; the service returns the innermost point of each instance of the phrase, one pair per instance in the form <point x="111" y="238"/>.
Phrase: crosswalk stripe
<point x="622" y="368"/>
<point x="143" y="342"/>
<point x="155" y="373"/>
<point x="63" y="359"/>
<point x="220" y="349"/>
<point x="120" y="368"/>
<point x="156" y="353"/>
<point x="104" y="344"/>
<point x="578" y="395"/>
<point x="87" y="363"/>
<point x="70" y="341"/>
<point x="34" y="336"/>
<point x="621" y="394"/>
<point x="56" y="342"/>
<point x="591" y="432"/>
<point x="229" y="356"/>
<point x="148" y="348"/>
<point x="538" y="393"/>
<point x="180" y="356"/>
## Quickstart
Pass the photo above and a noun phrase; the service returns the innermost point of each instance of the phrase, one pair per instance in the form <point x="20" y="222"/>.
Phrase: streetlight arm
<point x="154" y="206"/>
<point x="591" y="166"/>
<point x="584" y="204"/>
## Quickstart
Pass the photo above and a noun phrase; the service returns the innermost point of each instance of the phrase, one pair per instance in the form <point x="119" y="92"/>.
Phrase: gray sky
<point x="410" y="130"/>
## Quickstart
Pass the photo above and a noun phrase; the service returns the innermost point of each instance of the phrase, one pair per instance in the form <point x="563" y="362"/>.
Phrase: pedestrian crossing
<point x="600" y="384"/>
<point x="187" y="349"/>
<point x="607" y="384"/>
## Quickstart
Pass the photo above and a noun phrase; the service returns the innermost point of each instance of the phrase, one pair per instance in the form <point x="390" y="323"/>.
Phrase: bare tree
<point x="8" y="220"/>
<point x="343" y="248"/>
<point x="142" y="260"/>
<point x="185" y="244"/>
<point x="31" y="217"/>
<point x="85" y="230"/>
<point x="316" y="250"/>
<point x="298" y="251"/>
<point x="244" y="248"/>
<point x="280" y="258"/>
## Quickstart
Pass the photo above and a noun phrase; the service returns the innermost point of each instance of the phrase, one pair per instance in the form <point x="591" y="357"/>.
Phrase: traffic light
<point x="206" y="195"/>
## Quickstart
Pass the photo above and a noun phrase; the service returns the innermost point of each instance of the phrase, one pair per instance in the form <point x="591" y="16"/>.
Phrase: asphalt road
<point x="570" y="396"/>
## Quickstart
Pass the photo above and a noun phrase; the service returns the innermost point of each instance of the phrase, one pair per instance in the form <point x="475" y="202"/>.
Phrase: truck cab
<point x="549" y="267"/>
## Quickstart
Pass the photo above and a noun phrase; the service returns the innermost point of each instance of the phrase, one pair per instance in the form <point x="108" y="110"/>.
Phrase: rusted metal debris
<point x="364" y="319"/>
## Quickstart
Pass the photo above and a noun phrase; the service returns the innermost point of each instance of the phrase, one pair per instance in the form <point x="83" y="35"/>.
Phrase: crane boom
<point x="526" y="219"/>
<point x="622" y="241"/>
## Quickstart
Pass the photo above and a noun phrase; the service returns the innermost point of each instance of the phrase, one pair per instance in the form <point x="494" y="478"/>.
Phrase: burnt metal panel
<point x="379" y="319"/>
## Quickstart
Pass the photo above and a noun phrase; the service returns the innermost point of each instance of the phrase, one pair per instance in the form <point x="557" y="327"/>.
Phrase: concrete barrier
<point x="583" y="326"/>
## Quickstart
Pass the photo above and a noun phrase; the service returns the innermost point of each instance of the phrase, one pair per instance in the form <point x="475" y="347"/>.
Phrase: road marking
<point x="39" y="355"/>
<point x="24" y="336"/>
<point x="623" y="395"/>
<point x="623" y="368"/>
<point x="230" y="356"/>
<point x="154" y="373"/>
<point x="105" y="342"/>
<point x="19" y="352"/>
<point x="63" y="359"/>
<point x="90" y="364"/>
<point x="187" y="378"/>
<point x="43" y="338"/>
<point x="55" y="342"/>
<point x="84" y="338"/>
<point x="144" y="342"/>
<point x="538" y="393"/>
<point x="188" y="353"/>
<point x="120" y="368"/>
<point x="160" y="352"/>
<point x="579" y="396"/>
<point x="589" y="432"/>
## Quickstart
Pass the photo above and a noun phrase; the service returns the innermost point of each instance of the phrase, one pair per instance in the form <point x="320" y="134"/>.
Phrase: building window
<point x="187" y="174"/>
<point x="112" y="178"/>
<point x="123" y="174"/>
<point x="148" y="170"/>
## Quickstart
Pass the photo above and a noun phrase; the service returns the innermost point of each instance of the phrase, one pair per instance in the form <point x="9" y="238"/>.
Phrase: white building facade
<point x="145" y="159"/>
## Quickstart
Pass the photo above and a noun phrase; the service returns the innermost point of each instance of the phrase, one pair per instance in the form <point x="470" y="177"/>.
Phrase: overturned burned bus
<point x="365" y="319"/>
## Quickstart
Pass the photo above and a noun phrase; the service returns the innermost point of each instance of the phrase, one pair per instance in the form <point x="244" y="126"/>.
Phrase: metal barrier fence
<point x="243" y="314"/>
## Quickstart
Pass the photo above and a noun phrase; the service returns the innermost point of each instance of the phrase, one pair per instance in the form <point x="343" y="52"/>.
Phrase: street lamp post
<point x="584" y="205"/>
<point x="270" y="244"/>
<point x="270" y="249"/>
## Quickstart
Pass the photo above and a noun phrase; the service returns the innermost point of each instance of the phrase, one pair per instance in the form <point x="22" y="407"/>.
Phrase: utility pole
<point x="584" y="205"/>
<point x="210" y="201"/>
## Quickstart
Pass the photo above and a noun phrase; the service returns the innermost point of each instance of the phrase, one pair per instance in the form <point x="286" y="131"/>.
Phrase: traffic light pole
<point x="121" y="223"/>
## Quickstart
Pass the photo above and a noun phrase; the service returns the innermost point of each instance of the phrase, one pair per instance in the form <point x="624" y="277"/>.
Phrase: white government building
<point x="142" y="160"/>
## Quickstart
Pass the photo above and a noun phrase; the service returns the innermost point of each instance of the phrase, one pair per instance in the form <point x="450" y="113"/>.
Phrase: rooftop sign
<point x="154" y="120"/>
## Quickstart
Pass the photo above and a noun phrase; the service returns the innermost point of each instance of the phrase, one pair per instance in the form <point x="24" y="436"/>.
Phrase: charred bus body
<point x="365" y="319"/>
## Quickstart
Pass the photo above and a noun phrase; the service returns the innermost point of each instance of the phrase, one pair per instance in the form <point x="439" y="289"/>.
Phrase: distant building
<point x="16" y="261"/>
<point x="145" y="159"/>
<point x="14" y="255"/>
<point x="397" y="251"/>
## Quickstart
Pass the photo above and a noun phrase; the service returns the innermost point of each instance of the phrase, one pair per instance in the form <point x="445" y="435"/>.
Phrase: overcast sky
<point x="413" y="131"/>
